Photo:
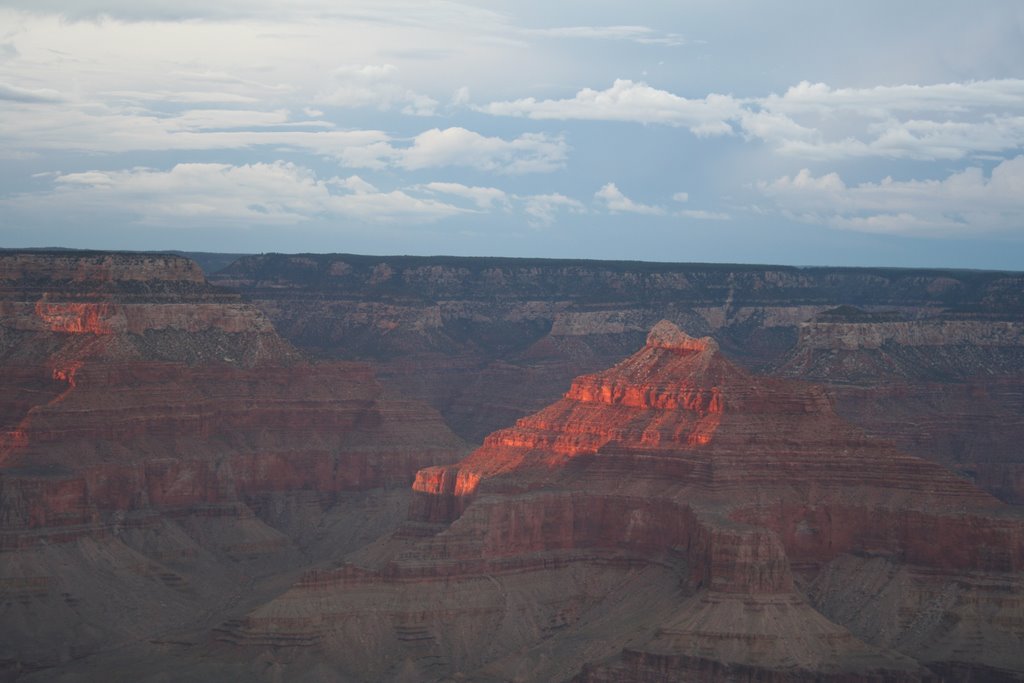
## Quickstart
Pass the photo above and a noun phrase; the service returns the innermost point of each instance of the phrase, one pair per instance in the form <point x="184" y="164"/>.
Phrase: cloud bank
<point x="965" y="202"/>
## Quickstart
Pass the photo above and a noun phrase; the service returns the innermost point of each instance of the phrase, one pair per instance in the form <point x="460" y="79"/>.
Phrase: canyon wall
<point x="263" y="476"/>
<point x="672" y="518"/>
<point x="932" y="360"/>
<point x="156" y="431"/>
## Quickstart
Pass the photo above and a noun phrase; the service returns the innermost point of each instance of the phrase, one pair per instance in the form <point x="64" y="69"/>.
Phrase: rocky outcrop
<point x="654" y="525"/>
<point x="932" y="359"/>
<point x="97" y="270"/>
<point x="951" y="391"/>
<point x="676" y="517"/>
<point x="151" y="420"/>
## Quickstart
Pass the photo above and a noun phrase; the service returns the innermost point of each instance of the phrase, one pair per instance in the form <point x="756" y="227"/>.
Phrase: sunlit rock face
<point x="930" y="359"/>
<point x="156" y="431"/>
<point x="672" y="518"/>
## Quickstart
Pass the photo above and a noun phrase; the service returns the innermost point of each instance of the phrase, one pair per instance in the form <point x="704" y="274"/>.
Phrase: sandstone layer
<point x="931" y="359"/>
<point x="161" y="447"/>
<point x="672" y="518"/>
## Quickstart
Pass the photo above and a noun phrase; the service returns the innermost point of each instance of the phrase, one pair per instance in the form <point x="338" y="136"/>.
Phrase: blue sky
<point x="808" y="133"/>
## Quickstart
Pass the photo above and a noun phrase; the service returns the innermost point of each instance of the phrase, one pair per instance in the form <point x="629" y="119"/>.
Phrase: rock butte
<point x="671" y="518"/>
<point x="932" y="360"/>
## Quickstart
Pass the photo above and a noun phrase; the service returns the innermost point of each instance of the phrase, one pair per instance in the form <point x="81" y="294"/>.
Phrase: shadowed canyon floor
<point x="184" y="495"/>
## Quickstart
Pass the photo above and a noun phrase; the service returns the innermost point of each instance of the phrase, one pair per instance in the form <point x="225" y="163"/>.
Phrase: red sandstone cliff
<point x="931" y="359"/>
<point x="156" y="433"/>
<point x="172" y="463"/>
<point x="672" y="518"/>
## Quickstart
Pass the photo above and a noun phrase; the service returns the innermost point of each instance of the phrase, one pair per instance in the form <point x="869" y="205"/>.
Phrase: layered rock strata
<point x="932" y="359"/>
<point x="672" y="518"/>
<point x="157" y="430"/>
<point x="948" y="390"/>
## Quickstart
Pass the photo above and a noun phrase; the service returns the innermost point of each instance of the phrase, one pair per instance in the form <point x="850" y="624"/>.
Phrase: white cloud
<point x="966" y="202"/>
<point x="205" y="119"/>
<point x="882" y="100"/>
<point x="484" y="197"/>
<point x="681" y="196"/>
<point x="14" y="93"/>
<point x="175" y="96"/>
<point x="629" y="101"/>
<point x="542" y="209"/>
<point x="701" y="215"/>
<point x="276" y="193"/>
<point x="354" y="184"/>
<point x="637" y="34"/>
<point x="461" y="97"/>
<point x="106" y="130"/>
<point x="408" y="12"/>
<point x="374" y="85"/>
<point x="926" y="122"/>
<point x="528" y="153"/>
<point x="103" y="130"/>
<point x="617" y="202"/>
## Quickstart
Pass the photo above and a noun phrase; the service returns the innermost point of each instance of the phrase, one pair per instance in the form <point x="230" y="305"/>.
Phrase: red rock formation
<point x="488" y="341"/>
<point x="723" y="488"/>
<point x="673" y="518"/>
<point x="946" y="390"/>
<point x="135" y="400"/>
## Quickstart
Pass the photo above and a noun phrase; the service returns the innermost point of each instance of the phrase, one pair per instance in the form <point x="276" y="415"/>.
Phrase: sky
<point x="798" y="132"/>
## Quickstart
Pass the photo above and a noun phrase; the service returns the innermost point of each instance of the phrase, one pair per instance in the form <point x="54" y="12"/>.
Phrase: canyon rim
<point x="313" y="467"/>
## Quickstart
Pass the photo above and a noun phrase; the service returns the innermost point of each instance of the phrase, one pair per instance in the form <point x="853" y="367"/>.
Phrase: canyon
<point x="164" y="453"/>
<point x="932" y="360"/>
<point x="340" y="467"/>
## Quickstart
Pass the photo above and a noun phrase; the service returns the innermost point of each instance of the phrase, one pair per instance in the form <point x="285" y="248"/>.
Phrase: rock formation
<point x="932" y="359"/>
<point x="671" y="518"/>
<point x="160" y="446"/>
<point x="182" y="489"/>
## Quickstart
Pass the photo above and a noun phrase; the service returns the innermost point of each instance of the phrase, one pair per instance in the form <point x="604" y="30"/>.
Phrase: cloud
<point x="124" y="129"/>
<point x="354" y="184"/>
<point x="925" y="122"/>
<point x="112" y="129"/>
<point x="816" y="121"/>
<point x="617" y="202"/>
<point x="964" y="203"/>
<point x="701" y="215"/>
<point x="882" y="100"/>
<point x="201" y="194"/>
<point x="373" y="85"/>
<point x="278" y="193"/>
<point x="485" y="198"/>
<point x="681" y="196"/>
<point x="542" y="209"/>
<point x="173" y="96"/>
<point x="405" y="12"/>
<point x="13" y="93"/>
<point x="636" y="34"/>
<point x="461" y="97"/>
<point x="918" y="139"/>
<point x="528" y="153"/>
<point x="629" y="101"/>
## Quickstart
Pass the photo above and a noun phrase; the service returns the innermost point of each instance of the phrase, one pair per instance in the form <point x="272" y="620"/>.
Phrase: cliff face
<point x="170" y="465"/>
<point x="948" y="390"/>
<point x="156" y="431"/>
<point x="933" y="360"/>
<point x="658" y="523"/>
